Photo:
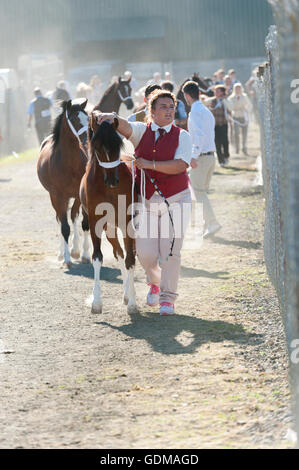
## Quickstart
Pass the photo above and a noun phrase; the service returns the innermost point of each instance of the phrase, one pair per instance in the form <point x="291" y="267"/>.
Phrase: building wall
<point x="134" y="30"/>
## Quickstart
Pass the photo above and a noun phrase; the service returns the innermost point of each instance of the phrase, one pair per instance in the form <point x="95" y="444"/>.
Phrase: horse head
<point x="77" y="118"/>
<point x="124" y="92"/>
<point x="105" y="145"/>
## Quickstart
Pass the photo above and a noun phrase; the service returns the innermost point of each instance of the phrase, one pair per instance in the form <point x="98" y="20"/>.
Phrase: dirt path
<point x="214" y="375"/>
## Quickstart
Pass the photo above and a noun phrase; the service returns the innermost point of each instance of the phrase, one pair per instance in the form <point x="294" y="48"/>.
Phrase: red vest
<point x="163" y="150"/>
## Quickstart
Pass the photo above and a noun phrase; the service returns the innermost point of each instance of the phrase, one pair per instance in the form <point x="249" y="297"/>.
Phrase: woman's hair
<point x="155" y="95"/>
<point x="236" y="85"/>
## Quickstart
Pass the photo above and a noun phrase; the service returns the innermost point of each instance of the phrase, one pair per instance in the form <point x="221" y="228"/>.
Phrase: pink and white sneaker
<point x="166" y="308"/>
<point x="153" y="296"/>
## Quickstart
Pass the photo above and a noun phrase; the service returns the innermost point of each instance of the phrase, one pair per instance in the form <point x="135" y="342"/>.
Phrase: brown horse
<point x="203" y="87"/>
<point x="106" y="193"/>
<point x="60" y="168"/>
<point x="117" y="93"/>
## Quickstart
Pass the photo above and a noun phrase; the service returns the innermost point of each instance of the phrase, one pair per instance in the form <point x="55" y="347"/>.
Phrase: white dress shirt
<point x="201" y="125"/>
<point x="184" y="149"/>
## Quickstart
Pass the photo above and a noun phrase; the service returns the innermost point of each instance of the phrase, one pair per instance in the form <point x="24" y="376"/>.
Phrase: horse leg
<point x="97" y="261"/>
<point x="130" y="268"/>
<point x="61" y="249"/>
<point x="75" y="253"/>
<point x="60" y="205"/>
<point x="119" y="255"/>
<point x="85" y="227"/>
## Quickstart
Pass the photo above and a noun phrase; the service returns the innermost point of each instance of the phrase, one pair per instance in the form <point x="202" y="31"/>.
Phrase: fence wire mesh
<point x="280" y="146"/>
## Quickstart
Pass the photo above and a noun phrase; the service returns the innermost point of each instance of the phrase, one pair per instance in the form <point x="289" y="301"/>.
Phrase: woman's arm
<point x="169" y="167"/>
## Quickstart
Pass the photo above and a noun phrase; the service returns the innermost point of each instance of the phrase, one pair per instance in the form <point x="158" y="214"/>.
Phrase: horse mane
<point x="57" y="124"/>
<point x="107" y="136"/>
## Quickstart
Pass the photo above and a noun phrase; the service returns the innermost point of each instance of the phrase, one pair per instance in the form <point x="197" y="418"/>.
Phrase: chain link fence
<point x="279" y="118"/>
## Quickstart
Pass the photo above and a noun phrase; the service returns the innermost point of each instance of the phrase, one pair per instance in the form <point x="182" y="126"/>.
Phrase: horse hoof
<point x="67" y="264"/>
<point x="96" y="309"/>
<point x="75" y="254"/>
<point x="132" y="309"/>
<point x="85" y="260"/>
<point x="125" y="300"/>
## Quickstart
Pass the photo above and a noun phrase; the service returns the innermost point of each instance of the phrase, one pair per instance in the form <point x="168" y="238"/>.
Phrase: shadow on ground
<point x="193" y="272"/>
<point x="240" y="243"/>
<point x="162" y="333"/>
<point x="112" y="275"/>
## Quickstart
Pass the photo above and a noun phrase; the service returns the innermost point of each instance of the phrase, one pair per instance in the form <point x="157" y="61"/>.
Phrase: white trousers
<point x="200" y="179"/>
<point x="153" y="243"/>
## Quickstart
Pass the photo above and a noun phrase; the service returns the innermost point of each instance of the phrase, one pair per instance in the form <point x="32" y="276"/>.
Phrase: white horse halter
<point x="122" y="98"/>
<point x="76" y="133"/>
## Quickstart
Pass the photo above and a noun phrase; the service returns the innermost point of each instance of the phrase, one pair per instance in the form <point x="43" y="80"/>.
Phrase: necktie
<point x="161" y="133"/>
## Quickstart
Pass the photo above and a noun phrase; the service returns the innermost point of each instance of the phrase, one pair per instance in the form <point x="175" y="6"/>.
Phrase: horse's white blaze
<point x="97" y="299"/>
<point x="75" y="240"/>
<point x="83" y="118"/>
<point x="86" y="245"/>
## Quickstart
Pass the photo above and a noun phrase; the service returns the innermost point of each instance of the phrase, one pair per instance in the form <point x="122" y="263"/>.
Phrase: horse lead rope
<point x="142" y="184"/>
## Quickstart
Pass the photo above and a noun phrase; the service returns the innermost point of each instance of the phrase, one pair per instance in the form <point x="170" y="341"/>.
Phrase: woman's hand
<point x="143" y="164"/>
<point x="101" y="117"/>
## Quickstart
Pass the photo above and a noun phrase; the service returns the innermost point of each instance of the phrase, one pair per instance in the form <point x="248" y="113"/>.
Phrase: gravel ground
<point x="213" y="376"/>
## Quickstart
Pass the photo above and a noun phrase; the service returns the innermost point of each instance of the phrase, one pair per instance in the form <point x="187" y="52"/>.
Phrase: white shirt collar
<point x="155" y="127"/>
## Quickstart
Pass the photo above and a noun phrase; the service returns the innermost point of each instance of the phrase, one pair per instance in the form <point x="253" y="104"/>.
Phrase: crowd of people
<point x="176" y="150"/>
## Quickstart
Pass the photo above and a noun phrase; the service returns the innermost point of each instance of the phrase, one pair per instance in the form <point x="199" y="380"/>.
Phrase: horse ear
<point x="69" y="105"/>
<point x="63" y="105"/>
<point x="93" y="121"/>
<point x="119" y="79"/>
<point x="115" y="124"/>
<point x="83" y="105"/>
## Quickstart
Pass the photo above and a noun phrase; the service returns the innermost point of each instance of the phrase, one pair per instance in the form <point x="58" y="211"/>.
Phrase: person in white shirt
<point x="163" y="151"/>
<point x="201" y="126"/>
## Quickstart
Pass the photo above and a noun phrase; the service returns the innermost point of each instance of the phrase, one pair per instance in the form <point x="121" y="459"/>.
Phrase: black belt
<point x="206" y="153"/>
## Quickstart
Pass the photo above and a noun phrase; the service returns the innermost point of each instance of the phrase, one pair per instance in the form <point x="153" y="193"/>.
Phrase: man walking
<point x="218" y="106"/>
<point x="201" y="126"/>
<point x="40" y="109"/>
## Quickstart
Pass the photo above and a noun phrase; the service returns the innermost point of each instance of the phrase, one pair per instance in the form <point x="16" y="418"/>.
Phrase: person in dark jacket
<point x="40" y="108"/>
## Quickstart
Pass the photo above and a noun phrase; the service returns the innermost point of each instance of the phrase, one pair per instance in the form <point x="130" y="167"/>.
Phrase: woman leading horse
<point x="163" y="153"/>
